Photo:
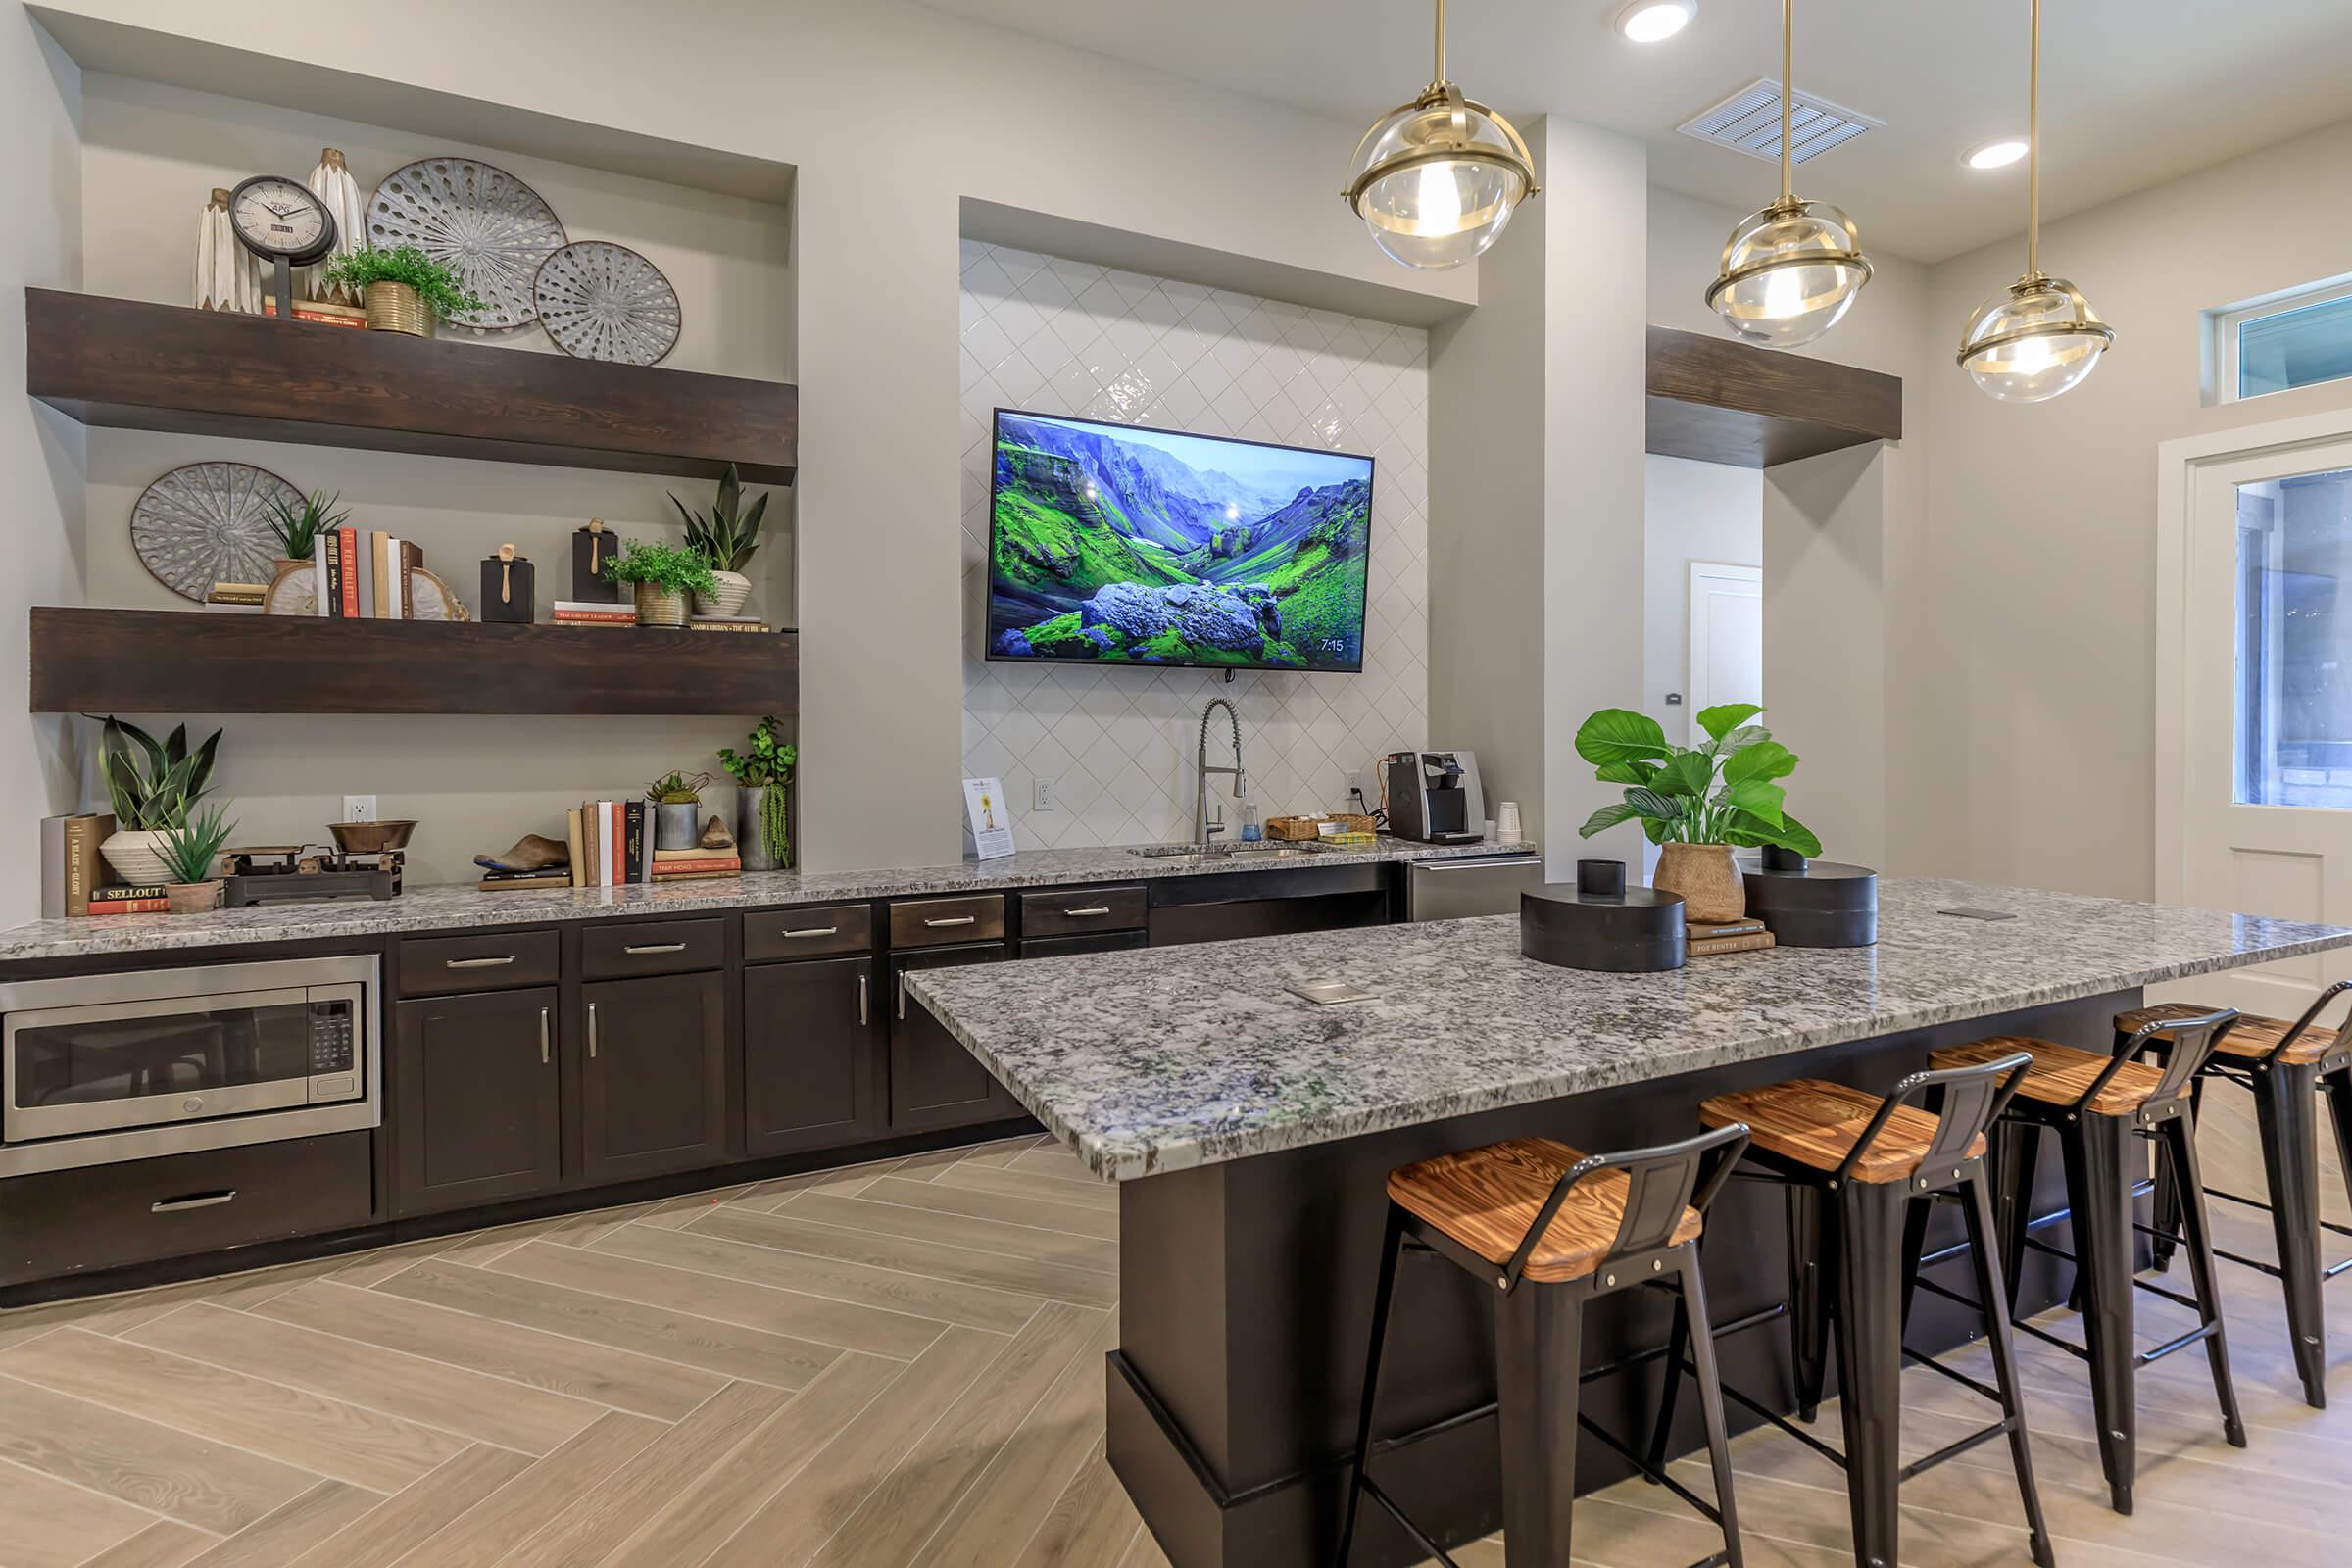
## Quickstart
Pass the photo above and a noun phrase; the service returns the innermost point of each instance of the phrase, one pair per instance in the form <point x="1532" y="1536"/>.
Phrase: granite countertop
<point x="460" y="907"/>
<point x="1170" y="1057"/>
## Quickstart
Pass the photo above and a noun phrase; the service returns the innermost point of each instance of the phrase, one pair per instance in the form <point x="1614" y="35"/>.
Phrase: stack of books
<point x="727" y="623"/>
<point x="590" y="613"/>
<point x="695" y="865"/>
<point x="236" y="598"/>
<point x="612" y="846"/>
<point x="362" y="573"/>
<point x="554" y="876"/>
<point x="121" y="898"/>
<point x="1727" y="936"/>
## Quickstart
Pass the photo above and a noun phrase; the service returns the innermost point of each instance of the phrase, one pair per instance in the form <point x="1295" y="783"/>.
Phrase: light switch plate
<point x="359" y="807"/>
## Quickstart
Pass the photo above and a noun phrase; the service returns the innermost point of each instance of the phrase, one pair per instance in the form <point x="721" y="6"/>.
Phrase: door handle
<point x="1081" y="914"/>
<point x="479" y="964"/>
<point x="902" y="998"/>
<point x="636" y="949"/>
<point x="813" y="931"/>
<point x="953" y="920"/>
<point x="181" y="1206"/>
<point x="544" y="1057"/>
<point x="592" y="1031"/>
<point x="865" y="984"/>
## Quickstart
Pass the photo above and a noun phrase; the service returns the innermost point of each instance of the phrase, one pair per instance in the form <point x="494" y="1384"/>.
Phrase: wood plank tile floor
<point x="892" y="1366"/>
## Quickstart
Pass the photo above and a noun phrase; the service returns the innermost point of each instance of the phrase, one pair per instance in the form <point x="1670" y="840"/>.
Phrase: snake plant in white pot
<point x="151" y="788"/>
<point x="726" y="535"/>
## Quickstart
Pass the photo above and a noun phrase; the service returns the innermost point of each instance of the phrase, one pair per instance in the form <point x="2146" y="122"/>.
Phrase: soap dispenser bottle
<point x="1253" y="828"/>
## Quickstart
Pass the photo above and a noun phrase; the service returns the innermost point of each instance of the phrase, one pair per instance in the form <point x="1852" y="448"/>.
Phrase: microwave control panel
<point x="334" y="1053"/>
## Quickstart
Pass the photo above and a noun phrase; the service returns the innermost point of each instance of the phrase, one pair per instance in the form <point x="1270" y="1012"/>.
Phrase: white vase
<point x="733" y="589"/>
<point x="136" y="855"/>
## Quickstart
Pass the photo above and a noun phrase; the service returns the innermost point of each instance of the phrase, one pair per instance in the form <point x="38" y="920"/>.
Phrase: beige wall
<point x="41" y="453"/>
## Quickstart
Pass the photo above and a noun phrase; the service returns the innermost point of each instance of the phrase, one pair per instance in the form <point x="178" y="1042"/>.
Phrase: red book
<point x="729" y="863"/>
<point x="128" y="905"/>
<point x="350" y="552"/>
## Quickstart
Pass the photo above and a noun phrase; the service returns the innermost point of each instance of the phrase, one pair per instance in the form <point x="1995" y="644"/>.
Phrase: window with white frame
<point x="2282" y="342"/>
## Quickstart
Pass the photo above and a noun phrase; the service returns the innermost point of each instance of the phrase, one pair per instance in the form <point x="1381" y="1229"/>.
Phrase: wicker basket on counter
<point x="1309" y="829"/>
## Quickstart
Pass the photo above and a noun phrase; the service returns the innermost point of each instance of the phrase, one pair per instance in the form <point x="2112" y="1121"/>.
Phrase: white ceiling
<point x="2135" y="92"/>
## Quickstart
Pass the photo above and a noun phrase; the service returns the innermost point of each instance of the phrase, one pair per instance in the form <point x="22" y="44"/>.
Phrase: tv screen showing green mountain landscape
<point x="1113" y="543"/>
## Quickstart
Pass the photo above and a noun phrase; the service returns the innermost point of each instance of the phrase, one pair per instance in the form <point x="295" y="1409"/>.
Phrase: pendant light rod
<point x="1439" y="80"/>
<point x="2033" y="151"/>
<point x="1788" y="96"/>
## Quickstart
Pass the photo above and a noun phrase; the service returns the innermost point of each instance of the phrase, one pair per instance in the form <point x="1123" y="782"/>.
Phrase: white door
<point x="1726" y="640"/>
<point x="2255" y="695"/>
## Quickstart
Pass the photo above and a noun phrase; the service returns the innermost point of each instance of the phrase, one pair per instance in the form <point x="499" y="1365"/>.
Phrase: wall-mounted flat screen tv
<point x="1111" y="544"/>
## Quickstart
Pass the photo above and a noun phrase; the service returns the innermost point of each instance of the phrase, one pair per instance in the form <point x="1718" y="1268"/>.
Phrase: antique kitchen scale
<point x="363" y="863"/>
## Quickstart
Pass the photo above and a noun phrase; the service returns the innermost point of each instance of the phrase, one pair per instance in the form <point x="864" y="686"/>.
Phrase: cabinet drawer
<point x="493" y="961"/>
<point x="107" y="1216"/>
<point x="1082" y="911"/>
<point x="818" y="933"/>
<point x="652" y="947"/>
<point x="931" y="922"/>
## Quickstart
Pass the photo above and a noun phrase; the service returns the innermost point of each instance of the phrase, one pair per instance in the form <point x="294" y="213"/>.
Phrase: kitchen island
<point x="1250" y="1130"/>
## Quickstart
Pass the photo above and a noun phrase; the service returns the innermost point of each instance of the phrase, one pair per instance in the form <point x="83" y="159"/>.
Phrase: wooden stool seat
<point x="2061" y="1073"/>
<point x="1486" y="1198"/>
<point x="1817" y="1123"/>
<point x="2251" y="1036"/>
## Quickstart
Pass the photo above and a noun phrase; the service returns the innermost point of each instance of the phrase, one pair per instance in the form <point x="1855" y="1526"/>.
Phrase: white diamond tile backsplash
<point x="1056" y="336"/>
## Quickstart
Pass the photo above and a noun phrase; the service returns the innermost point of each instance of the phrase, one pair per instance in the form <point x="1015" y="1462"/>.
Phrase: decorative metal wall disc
<point x="481" y="223"/>
<point x="210" y="522"/>
<point x="601" y="301"/>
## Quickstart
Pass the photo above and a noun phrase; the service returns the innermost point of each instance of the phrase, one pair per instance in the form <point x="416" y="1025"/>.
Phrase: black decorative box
<point x="591" y="550"/>
<point x="1812" y="903"/>
<point x="1632" y="932"/>
<point x="507" y="591"/>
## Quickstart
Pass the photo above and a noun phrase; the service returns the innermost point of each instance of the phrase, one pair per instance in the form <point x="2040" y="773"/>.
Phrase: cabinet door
<point x="1061" y="947"/>
<point x="653" y="1081"/>
<point x="934" y="1082"/>
<point x="477" y="1100"/>
<point x="811" y="1064"/>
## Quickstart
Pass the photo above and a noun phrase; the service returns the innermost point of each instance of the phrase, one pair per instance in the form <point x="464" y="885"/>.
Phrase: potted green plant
<point x="151" y="788"/>
<point x="1697" y="802"/>
<point x="726" y="534"/>
<point x="678" y="800"/>
<point x="191" y="855"/>
<point x="404" y="289"/>
<point x="663" y="577"/>
<point x="298" y="527"/>
<point x="762" y="776"/>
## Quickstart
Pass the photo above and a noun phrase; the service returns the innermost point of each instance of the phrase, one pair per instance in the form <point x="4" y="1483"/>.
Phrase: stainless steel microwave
<point x="100" y="1068"/>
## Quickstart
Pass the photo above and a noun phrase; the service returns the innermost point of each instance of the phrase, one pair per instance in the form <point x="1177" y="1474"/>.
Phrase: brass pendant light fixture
<point x="2038" y="337"/>
<point x="1792" y="272"/>
<point x="1436" y="181"/>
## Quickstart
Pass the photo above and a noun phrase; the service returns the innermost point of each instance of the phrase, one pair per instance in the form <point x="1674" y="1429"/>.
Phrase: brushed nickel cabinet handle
<point x="181" y="1206"/>
<point x="1081" y="914"/>
<point x="958" y="919"/>
<point x="592" y="1031"/>
<point x="480" y="964"/>
<point x="863" y="986"/>
<point x="813" y="931"/>
<point x="636" y="949"/>
<point x="544" y="1057"/>
<point x="902" y="998"/>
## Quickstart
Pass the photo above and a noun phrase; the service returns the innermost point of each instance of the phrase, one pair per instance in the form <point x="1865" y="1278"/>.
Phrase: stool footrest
<point x="1953" y="1451"/>
<point x="1782" y="1422"/>
<point x="1650" y="1473"/>
<point x="1921" y="1358"/>
<point x="2179" y="1342"/>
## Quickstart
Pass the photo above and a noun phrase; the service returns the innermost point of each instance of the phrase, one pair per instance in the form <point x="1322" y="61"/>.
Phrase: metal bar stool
<point x="2096" y="1105"/>
<point x="2285" y="1066"/>
<point x="1857" y="1169"/>
<point x="1551" y="1230"/>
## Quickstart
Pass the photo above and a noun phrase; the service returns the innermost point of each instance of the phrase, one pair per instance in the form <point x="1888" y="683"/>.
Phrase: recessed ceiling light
<point x="1655" y="20"/>
<point x="1998" y="153"/>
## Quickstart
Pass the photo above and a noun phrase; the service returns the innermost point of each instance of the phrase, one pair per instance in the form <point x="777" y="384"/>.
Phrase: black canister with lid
<point x="1811" y="904"/>
<point x="1632" y="932"/>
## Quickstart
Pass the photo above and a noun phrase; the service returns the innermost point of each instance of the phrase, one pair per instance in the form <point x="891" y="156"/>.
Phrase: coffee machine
<point x="1433" y="796"/>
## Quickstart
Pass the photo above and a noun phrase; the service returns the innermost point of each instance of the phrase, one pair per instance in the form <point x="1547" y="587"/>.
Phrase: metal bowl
<point x="370" y="838"/>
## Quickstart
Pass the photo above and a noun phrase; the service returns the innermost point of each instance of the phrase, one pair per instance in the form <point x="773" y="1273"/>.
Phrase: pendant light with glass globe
<point x="1792" y="272"/>
<point x="1436" y="181"/>
<point x="2038" y="337"/>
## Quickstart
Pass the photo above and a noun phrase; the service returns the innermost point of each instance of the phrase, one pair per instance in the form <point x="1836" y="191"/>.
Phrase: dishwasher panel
<point x="1471" y="884"/>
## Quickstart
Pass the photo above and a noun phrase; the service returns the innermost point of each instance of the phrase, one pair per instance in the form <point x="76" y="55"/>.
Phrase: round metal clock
<point x="279" y="220"/>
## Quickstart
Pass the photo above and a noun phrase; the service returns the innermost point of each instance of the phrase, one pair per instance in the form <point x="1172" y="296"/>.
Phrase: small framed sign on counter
<point x="987" y="820"/>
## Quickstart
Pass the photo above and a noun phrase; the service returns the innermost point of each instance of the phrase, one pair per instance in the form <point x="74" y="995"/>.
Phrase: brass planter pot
<point x="398" y="308"/>
<point x="1707" y="878"/>
<point x="659" y="606"/>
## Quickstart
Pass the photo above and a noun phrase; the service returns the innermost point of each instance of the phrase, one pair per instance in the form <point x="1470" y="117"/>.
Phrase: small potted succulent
<point x="763" y="798"/>
<point x="726" y="535"/>
<point x="678" y="800"/>
<point x="151" y="788"/>
<point x="404" y="289"/>
<point x="663" y="576"/>
<point x="192" y="853"/>
<point x="298" y="527"/>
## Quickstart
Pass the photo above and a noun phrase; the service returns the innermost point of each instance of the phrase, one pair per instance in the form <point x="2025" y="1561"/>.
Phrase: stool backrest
<point x="1661" y="1183"/>
<point x="2191" y="1041"/>
<point x="1973" y="1095"/>
<point x="2302" y="1025"/>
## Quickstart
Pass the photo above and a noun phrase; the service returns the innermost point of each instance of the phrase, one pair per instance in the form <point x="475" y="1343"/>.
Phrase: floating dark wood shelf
<point x="1721" y="401"/>
<point x="138" y="366"/>
<point x="203" y="661"/>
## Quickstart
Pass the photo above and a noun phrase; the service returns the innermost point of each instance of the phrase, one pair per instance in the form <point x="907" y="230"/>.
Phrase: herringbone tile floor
<point x="885" y="1366"/>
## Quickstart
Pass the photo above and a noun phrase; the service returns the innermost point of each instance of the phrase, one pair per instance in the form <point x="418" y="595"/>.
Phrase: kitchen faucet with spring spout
<point x="1203" y="826"/>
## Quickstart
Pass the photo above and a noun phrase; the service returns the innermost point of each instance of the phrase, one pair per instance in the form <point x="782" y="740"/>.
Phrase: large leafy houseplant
<point x="1724" y="792"/>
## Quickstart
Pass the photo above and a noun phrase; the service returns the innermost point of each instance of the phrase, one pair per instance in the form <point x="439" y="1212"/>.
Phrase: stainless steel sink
<point x="1224" y="851"/>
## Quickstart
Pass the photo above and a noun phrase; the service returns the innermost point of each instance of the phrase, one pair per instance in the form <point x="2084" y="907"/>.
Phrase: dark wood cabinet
<point x="812" y="1065"/>
<point x="1101" y="941"/>
<point x="477" y="1100"/>
<point x="934" y="1081"/>
<point x="652" y="1076"/>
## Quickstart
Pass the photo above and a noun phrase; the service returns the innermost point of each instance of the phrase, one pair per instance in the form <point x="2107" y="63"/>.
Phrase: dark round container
<point x="1819" y="903"/>
<point x="1632" y="932"/>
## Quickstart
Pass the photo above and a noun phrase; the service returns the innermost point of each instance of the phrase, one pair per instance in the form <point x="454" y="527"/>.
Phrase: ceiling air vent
<point x="1749" y="122"/>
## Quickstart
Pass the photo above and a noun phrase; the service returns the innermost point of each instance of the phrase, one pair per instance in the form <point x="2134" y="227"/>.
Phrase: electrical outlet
<point x="359" y="807"/>
<point x="1042" y="797"/>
